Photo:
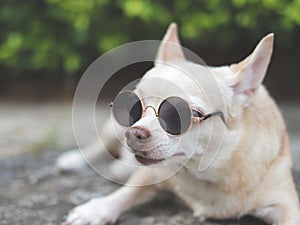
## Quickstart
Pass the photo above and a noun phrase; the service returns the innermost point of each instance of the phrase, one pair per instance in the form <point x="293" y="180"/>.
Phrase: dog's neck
<point x="252" y="138"/>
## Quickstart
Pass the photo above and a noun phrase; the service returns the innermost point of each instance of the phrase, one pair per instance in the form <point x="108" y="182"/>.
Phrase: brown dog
<point x="234" y="117"/>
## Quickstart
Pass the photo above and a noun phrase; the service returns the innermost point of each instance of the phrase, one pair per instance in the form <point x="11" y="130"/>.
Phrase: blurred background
<point x="46" y="45"/>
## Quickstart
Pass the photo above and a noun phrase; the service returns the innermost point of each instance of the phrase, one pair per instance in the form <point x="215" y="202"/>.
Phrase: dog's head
<point x="211" y="96"/>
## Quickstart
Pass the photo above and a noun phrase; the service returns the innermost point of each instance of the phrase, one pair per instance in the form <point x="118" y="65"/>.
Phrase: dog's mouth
<point x="148" y="161"/>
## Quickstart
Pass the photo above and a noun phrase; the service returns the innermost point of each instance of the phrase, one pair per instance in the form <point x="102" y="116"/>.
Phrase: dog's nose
<point x="137" y="137"/>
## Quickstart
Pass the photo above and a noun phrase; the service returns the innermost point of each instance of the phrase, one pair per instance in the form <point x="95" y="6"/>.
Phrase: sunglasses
<point x="174" y="114"/>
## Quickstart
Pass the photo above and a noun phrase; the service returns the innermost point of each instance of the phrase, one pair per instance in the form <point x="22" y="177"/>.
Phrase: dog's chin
<point x="145" y="161"/>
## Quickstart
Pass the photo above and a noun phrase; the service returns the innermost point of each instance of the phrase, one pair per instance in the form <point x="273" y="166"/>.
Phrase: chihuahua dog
<point x="219" y="123"/>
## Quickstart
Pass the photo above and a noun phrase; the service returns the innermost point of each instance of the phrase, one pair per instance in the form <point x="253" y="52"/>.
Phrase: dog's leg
<point x="281" y="204"/>
<point x="121" y="169"/>
<point x="106" y="210"/>
<point x="72" y="160"/>
<point x="281" y="214"/>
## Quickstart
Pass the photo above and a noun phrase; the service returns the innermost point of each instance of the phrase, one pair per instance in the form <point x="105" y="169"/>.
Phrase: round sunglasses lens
<point x="127" y="108"/>
<point x="174" y="115"/>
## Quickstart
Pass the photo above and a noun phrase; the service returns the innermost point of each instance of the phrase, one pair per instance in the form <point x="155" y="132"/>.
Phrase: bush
<point x="65" y="36"/>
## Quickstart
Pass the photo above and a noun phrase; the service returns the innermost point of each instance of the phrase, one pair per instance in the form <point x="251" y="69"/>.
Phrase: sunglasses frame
<point x="193" y="119"/>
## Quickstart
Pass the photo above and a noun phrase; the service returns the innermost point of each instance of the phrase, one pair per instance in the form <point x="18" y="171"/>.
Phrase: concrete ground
<point x="33" y="192"/>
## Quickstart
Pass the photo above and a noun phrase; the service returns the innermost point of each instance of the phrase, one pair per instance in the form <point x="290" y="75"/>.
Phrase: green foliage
<point x="64" y="36"/>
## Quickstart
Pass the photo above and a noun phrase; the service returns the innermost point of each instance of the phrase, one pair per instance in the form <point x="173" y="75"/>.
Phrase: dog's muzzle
<point x="137" y="137"/>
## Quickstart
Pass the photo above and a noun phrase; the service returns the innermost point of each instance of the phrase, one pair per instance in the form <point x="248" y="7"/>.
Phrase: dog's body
<point x="251" y="173"/>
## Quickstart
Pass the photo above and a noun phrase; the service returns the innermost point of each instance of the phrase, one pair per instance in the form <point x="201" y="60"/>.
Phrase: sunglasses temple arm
<point x="218" y="113"/>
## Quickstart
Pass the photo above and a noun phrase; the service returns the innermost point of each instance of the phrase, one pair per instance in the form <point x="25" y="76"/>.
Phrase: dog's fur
<point x="251" y="173"/>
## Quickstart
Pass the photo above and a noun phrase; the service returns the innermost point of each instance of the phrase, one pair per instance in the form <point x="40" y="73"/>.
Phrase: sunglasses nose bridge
<point x="154" y="110"/>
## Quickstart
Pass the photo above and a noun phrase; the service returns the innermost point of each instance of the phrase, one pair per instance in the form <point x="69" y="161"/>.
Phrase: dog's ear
<point x="249" y="74"/>
<point x="170" y="48"/>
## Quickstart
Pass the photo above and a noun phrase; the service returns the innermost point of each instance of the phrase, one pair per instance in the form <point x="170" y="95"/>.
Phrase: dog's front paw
<point x="98" y="211"/>
<point x="70" y="161"/>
